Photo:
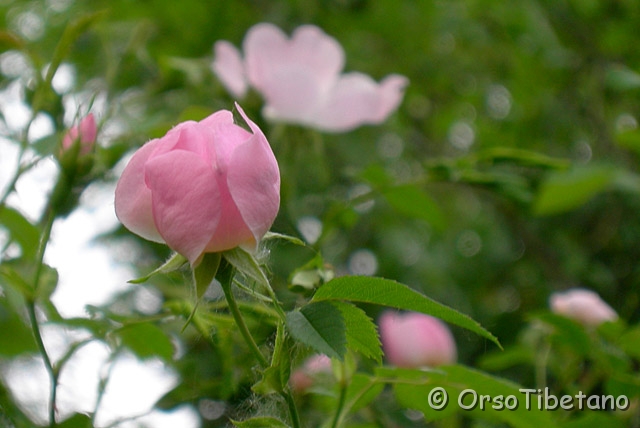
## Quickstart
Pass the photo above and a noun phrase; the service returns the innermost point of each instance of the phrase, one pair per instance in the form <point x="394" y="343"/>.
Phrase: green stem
<point x="35" y="326"/>
<point x="225" y="277"/>
<point x="31" y="307"/>
<point x="337" y="418"/>
<point x="293" y="410"/>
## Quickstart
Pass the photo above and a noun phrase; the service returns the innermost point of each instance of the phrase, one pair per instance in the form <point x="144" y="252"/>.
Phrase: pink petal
<point x="254" y="181"/>
<point x="88" y="129"/>
<point x="391" y="93"/>
<point x="133" y="197"/>
<point x="356" y="100"/>
<point x="292" y="75"/>
<point x="229" y="68"/>
<point x="185" y="200"/>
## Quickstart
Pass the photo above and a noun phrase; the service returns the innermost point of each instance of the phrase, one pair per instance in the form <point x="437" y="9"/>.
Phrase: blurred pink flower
<point x="301" y="82"/>
<point x="416" y="340"/>
<point x="303" y="377"/>
<point x="205" y="186"/>
<point x="584" y="306"/>
<point x="85" y="132"/>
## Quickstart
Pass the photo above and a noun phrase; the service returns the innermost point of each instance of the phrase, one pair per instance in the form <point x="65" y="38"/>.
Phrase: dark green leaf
<point x="321" y="326"/>
<point x="362" y="335"/>
<point x="386" y="292"/>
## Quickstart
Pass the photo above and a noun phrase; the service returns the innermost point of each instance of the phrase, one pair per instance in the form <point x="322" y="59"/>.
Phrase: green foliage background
<point x="509" y="171"/>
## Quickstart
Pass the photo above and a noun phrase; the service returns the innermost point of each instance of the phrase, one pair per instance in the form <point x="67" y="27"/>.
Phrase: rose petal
<point x="133" y="197"/>
<point x="185" y="200"/>
<point x="292" y="75"/>
<point x="356" y="100"/>
<point x="254" y="181"/>
<point x="229" y="68"/>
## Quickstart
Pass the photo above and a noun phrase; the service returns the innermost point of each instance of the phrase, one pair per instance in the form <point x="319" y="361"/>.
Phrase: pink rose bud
<point x="581" y="305"/>
<point x="205" y="186"/>
<point x="301" y="82"/>
<point x="416" y="340"/>
<point x="85" y="132"/>
<point x="303" y="377"/>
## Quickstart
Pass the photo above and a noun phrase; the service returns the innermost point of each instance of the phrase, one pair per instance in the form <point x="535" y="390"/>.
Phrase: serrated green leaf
<point x="362" y="334"/>
<point x="146" y="340"/>
<point x="411" y="201"/>
<point x="175" y="262"/>
<point x="76" y="421"/>
<point x="321" y="326"/>
<point x="20" y="231"/>
<point x="390" y="293"/>
<point x="260" y="422"/>
<point x="565" y="191"/>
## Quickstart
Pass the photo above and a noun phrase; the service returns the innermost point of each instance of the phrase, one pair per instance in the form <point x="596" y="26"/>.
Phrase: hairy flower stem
<point x="226" y="279"/>
<point x="225" y="276"/>
<point x="35" y="326"/>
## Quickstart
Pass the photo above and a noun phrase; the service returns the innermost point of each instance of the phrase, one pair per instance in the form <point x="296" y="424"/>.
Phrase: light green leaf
<point x="564" y="191"/>
<point x="362" y="335"/>
<point x="21" y="231"/>
<point x="146" y="340"/>
<point x="175" y="262"/>
<point x="260" y="422"/>
<point x="386" y="292"/>
<point x="321" y="326"/>
<point x="411" y="201"/>
<point x="15" y="336"/>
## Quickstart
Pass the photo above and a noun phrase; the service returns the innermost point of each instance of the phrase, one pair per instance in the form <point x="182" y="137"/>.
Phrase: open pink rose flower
<point x="584" y="306"/>
<point x="416" y="340"/>
<point x="85" y="132"/>
<point x="301" y="82"/>
<point x="205" y="186"/>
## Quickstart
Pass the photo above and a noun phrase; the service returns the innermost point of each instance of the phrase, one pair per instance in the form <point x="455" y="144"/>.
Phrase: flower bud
<point x="204" y="187"/>
<point x="582" y="305"/>
<point x="416" y="340"/>
<point x="84" y="133"/>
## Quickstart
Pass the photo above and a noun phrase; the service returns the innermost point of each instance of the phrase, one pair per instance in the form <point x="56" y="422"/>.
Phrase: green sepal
<point x="175" y="262"/>
<point x="276" y="377"/>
